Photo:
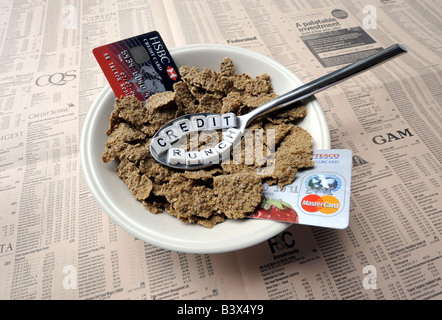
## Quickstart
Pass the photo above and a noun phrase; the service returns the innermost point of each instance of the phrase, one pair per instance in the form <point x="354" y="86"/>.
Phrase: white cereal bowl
<point x="163" y="230"/>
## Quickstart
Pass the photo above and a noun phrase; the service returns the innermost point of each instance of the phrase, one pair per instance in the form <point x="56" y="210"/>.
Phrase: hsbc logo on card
<point x="140" y="66"/>
<point x="172" y="73"/>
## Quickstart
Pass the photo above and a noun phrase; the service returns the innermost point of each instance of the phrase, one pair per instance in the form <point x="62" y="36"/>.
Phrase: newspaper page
<point x="57" y="243"/>
<point x="389" y="117"/>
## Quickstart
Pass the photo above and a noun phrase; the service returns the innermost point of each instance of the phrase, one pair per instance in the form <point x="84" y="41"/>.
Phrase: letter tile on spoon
<point x="232" y="135"/>
<point x="223" y="148"/>
<point x="193" y="157"/>
<point x="214" y="121"/>
<point x="172" y="134"/>
<point x="176" y="156"/>
<point x="228" y="120"/>
<point x="183" y="126"/>
<point x="210" y="155"/>
<point x="198" y="123"/>
<point x="160" y="144"/>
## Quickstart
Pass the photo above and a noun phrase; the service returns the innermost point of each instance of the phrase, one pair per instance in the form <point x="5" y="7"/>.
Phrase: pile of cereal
<point x="225" y="191"/>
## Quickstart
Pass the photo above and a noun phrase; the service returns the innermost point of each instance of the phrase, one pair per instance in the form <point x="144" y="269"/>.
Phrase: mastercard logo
<point x="324" y="204"/>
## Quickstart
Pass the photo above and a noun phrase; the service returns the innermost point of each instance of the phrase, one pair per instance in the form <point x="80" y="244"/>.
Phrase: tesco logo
<point x="326" y="156"/>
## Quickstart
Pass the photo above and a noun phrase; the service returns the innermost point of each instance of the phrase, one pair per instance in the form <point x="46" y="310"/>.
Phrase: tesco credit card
<point x="319" y="196"/>
<point x="140" y="66"/>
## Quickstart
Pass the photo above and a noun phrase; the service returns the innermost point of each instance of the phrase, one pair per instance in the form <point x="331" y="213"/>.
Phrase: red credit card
<point x="140" y="66"/>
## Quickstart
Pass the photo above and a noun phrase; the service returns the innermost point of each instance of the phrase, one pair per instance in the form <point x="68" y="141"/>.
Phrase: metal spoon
<point x="284" y="100"/>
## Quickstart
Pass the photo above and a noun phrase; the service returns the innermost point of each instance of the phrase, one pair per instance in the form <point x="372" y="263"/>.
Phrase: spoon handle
<point x="324" y="82"/>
